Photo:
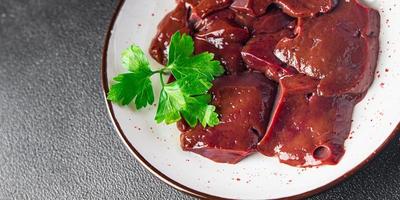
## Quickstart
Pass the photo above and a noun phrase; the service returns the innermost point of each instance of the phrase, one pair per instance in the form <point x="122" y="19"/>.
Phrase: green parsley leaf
<point x="180" y="47"/>
<point x="189" y="97"/>
<point x="136" y="84"/>
<point x="186" y="97"/>
<point x="172" y="101"/>
<point x="130" y="86"/>
<point x="197" y="109"/>
<point x="202" y="65"/>
<point x="182" y="63"/>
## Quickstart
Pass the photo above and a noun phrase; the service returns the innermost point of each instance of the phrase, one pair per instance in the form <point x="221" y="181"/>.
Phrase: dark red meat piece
<point x="258" y="55"/>
<point x="174" y="21"/>
<point x="251" y="7"/>
<point x="225" y="14"/>
<point x="307" y="129"/>
<point x="245" y="21"/>
<point x="206" y="7"/>
<point x="340" y="48"/>
<point x="224" y="39"/>
<point x="272" y="22"/>
<point x="221" y="33"/>
<point x="244" y="102"/>
<point x="306" y="8"/>
<point x="189" y="3"/>
<point x="229" y="55"/>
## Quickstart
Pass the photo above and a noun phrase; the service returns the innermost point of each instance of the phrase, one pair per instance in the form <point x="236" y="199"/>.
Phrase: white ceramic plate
<point x="257" y="177"/>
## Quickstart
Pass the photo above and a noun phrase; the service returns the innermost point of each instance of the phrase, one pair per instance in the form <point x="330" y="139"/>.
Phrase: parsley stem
<point x="162" y="71"/>
<point x="162" y="79"/>
<point x="158" y="71"/>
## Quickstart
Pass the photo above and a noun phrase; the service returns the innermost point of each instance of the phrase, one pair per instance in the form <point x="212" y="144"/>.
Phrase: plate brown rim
<point x="184" y="188"/>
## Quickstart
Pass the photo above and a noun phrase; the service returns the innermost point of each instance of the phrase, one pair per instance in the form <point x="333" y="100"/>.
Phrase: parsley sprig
<point x="185" y="97"/>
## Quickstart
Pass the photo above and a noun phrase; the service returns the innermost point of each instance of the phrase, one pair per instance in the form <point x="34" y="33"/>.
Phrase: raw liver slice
<point x="225" y="40"/>
<point x="244" y="102"/>
<point x="225" y="14"/>
<point x="221" y="33"/>
<point x="252" y="8"/>
<point x="229" y="56"/>
<point x="206" y="7"/>
<point x="244" y="20"/>
<point x="274" y="21"/>
<point x="307" y="129"/>
<point x="306" y="8"/>
<point x="258" y="55"/>
<point x="340" y="48"/>
<point x="174" y="21"/>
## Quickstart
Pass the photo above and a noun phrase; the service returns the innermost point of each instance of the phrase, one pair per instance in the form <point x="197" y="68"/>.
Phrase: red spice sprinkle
<point x="139" y="24"/>
<point x="237" y="179"/>
<point x="382" y="85"/>
<point x="386" y="70"/>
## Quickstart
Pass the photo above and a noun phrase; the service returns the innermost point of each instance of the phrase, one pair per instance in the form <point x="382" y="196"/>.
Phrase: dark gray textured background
<point x="56" y="139"/>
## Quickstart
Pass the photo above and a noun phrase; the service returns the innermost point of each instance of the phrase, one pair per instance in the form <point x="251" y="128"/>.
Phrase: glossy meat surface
<point x="174" y="21"/>
<point x="225" y="14"/>
<point x="225" y="40"/>
<point x="229" y="56"/>
<point x="306" y="129"/>
<point x="244" y="102"/>
<point x="306" y="8"/>
<point x="258" y="55"/>
<point x="221" y="33"/>
<point x="206" y="7"/>
<point x="188" y="3"/>
<point x="272" y="22"/>
<point x="251" y="7"/>
<point x="340" y="48"/>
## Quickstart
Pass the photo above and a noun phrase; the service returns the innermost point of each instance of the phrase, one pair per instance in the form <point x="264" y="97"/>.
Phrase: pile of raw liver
<point x="295" y="71"/>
